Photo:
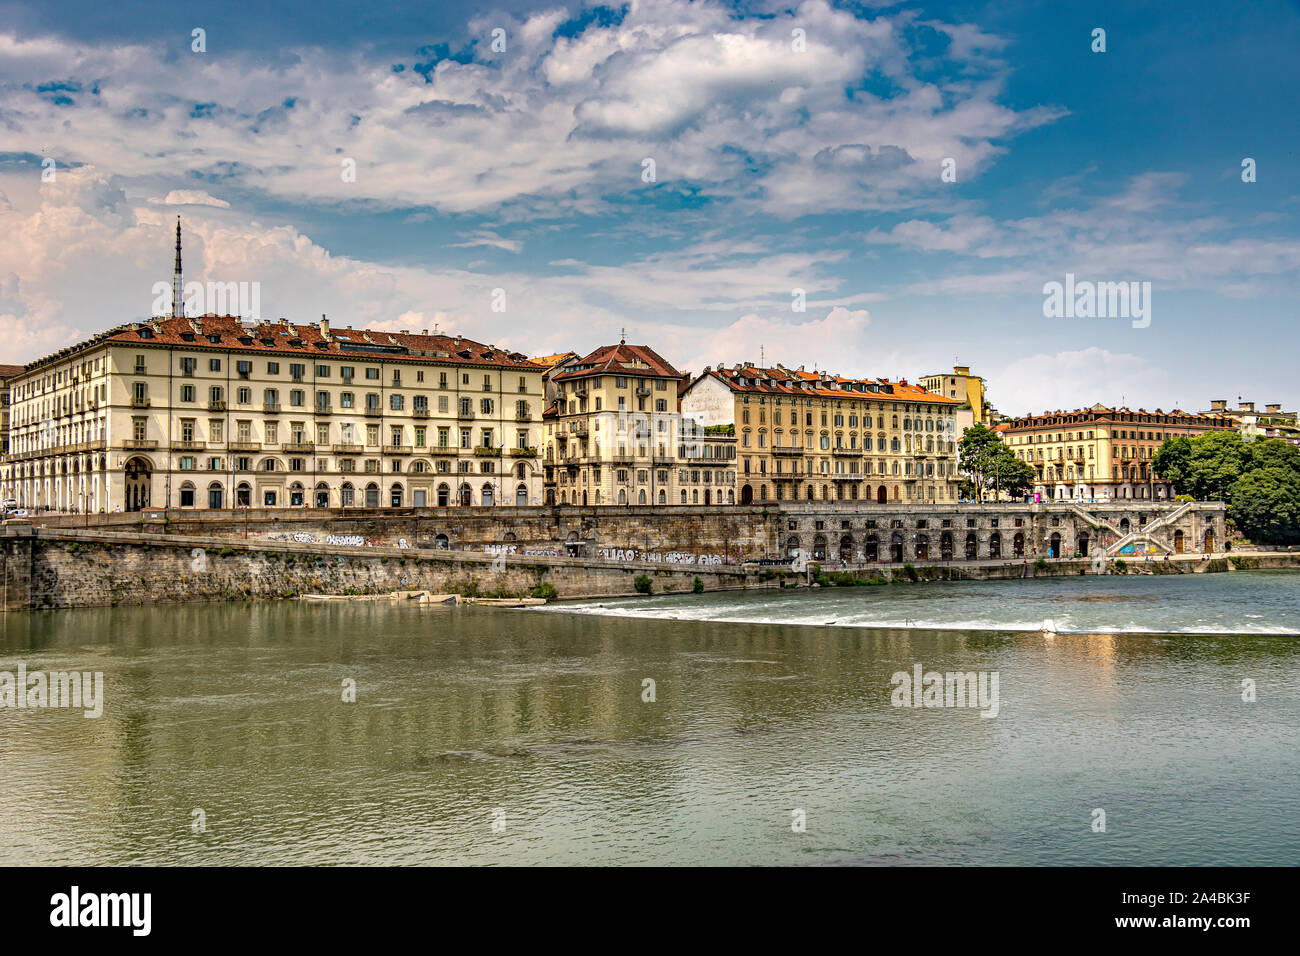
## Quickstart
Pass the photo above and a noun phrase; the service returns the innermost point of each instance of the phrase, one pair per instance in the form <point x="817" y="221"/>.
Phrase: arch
<point x="1123" y="526"/>
<point x="1018" y="545"/>
<point x="372" y="495"/>
<point x="846" y="547"/>
<point x="923" y="547"/>
<point x="871" y="548"/>
<point x="521" y="495"/>
<point x="216" y="495"/>
<point x="747" y="495"/>
<point x="1209" y="541"/>
<point x="819" y="548"/>
<point x="1178" y="541"/>
<point x="640" y="498"/>
<point x="243" y="495"/>
<point x="896" y="547"/>
<point x="347" y="494"/>
<point x="444" y="495"/>
<point x="945" y="546"/>
<point x="622" y="496"/>
<point x="995" y="545"/>
<point x="663" y="497"/>
<point x="322" y="495"/>
<point x="440" y="542"/>
<point x="882" y="495"/>
<point x="485" y="494"/>
<point x="792" y="546"/>
<point x="464" y="495"/>
<point x="972" y="546"/>
<point x="187" y="494"/>
<point x="139" y="483"/>
<point x="1083" y="544"/>
<point x="1054" y="545"/>
<point x="297" y="496"/>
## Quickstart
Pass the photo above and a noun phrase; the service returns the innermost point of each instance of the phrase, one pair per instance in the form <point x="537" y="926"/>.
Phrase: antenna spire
<point x="178" y="304"/>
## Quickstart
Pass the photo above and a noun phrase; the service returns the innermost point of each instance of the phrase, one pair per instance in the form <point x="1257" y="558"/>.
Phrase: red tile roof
<point x="9" y="371"/>
<point x="621" y="359"/>
<point x="784" y="381"/>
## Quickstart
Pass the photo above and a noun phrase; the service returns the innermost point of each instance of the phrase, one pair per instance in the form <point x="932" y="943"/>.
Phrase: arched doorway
<point x="187" y="495"/>
<point x="882" y="496"/>
<point x="347" y="495"/>
<point x="521" y="496"/>
<point x="819" y="548"/>
<point x="372" y="495"/>
<point x="923" y="547"/>
<point x="871" y="548"/>
<point x="322" y="495"/>
<point x="1054" y="545"/>
<point x="995" y="545"/>
<point x="296" y="495"/>
<point x="972" y="547"/>
<point x="792" y="546"/>
<point x="216" y="495"/>
<point x="440" y="542"/>
<point x="465" y="496"/>
<point x="1018" y="545"/>
<point x="444" y="495"/>
<point x="395" y="495"/>
<point x="139" y="481"/>
<point x="486" y="496"/>
<point x="747" y="495"/>
<point x="1083" y="544"/>
<point x="945" y="546"/>
<point x="1209" y="541"/>
<point x="1178" y="541"/>
<point x="708" y="496"/>
<point x="896" y="548"/>
<point x="243" y="495"/>
<point x="846" y="547"/>
<point x="1123" y="526"/>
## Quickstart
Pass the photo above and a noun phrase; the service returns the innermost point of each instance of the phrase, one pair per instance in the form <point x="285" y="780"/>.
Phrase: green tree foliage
<point x="991" y="465"/>
<point x="1265" y="505"/>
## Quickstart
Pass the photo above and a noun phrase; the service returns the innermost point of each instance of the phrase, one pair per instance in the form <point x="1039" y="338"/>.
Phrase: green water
<point x="535" y="719"/>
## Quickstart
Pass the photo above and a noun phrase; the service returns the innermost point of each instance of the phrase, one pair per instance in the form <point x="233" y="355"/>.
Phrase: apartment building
<point x="614" y="437"/>
<point x="1254" y="423"/>
<point x="968" y="389"/>
<point x="211" y="412"/>
<point x="816" y="436"/>
<point x="1101" y="453"/>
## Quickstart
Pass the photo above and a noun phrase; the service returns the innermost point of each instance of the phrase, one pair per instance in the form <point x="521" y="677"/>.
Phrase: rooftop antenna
<point x="178" y="305"/>
<point x="622" y="336"/>
<point x="762" y="357"/>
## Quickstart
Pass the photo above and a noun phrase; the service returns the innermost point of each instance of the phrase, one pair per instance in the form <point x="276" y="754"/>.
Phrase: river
<point x="525" y="737"/>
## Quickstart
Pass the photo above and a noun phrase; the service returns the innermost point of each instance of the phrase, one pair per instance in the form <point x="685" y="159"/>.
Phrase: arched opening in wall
<point x="640" y="498"/>
<point x="485" y="495"/>
<point x="762" y="492"/>
<point x="1018" y="545"/>
<point x="1209" y="541"/>
<point x="296" y="495"/>
<point x="1084" y="541"/>
<point x="846" y="547"/>
<point x="663" y="497"/>
<point x="139" y="481"/>
<point x="521" y="495"/>
<point x="972" y="546"/>
<point x="853" y="489"/>
<point x="923" y="547"/>
<point x="440" y="542"/>
<point x="216" y="496"/>
<point x="465" y="495"/>
<point x="1178" y="541"/>
<point x="708" y="496"/>
<point x="322" y="495"/>
<point x="792" y="546"/>
<point x="995" y="545"/>
<point x="945" y="546"/>
<point x="584" y="498"/>
<point x="896" y="547"/>
<point x="747" y="495"/>
<point x="509" y="537"/>
<point x="550" y="497"/>
<point x="1054" y="545"/>
<point x="871" y="548"/>
<point x="187" y="495"/>
<point x="395" y="495"/>
<point x="895" y="492"/>
<point x="444" y="495"/>
<point x="243" y="495"/>
<point x="819" y="548"/>
<point x="347" y="495"/>
<point x="372" y="495"/>
<point x="1123" y="526"/>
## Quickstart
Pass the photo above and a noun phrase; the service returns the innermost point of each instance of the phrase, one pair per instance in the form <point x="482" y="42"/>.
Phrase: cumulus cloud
<point x="190" y="197"/>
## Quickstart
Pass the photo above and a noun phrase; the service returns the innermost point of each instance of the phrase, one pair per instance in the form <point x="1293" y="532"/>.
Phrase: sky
<point x="869" y="189"/>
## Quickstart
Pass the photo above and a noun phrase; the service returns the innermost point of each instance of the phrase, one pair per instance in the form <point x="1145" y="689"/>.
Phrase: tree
<point x="1172" y="462"/>
<point x="990" y="464"/>
<point x="1265" y="505"/>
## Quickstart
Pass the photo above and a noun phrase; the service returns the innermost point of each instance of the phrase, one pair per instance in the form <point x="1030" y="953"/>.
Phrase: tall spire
<point x="178" y="305"/>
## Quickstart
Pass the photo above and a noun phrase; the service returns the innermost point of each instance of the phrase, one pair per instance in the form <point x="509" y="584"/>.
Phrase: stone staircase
<point x="1144" y="535"/>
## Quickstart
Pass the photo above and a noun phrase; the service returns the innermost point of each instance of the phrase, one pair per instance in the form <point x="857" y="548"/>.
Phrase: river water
<point x="523" y="737"/>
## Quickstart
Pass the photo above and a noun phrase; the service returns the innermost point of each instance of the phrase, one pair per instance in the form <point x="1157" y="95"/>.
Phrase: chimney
<point x="424" y="331"/>
<point x="324" y="327"/>
<point x="1273" y="409"/>
<point x="1246" y="407"/>
<point x="1219" y="405"/>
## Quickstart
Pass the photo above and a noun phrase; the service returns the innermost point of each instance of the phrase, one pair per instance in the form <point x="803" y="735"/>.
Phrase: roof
<point x="228" y="333"/>
<point x="1100" y="411"/>
<point x="621" y="359"/>
<point x="9" y="371"/>
<point x="550" y="361"/>
<point x="783" y="381"/>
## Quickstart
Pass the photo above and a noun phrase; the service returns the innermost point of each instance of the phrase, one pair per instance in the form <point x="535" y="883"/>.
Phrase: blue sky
<point x="776" y="169"/>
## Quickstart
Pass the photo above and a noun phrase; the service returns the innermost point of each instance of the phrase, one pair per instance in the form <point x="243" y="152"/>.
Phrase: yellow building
<point x="814" y="436"/>
<point x="210" y="412"/>
<point x="1101" y="453"/>
<point x="966" y="388"/>
<point x="613" y="436"/>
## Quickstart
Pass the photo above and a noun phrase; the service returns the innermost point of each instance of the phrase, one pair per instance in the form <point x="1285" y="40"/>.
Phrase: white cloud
<point x="190" y="197"/>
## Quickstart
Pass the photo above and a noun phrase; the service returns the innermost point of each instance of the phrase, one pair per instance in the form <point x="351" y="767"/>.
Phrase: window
<point x="372" y="374"/>
<point x="187" y="393"/>
<point x="396" y="402"/>
<point x="322" y="371"/>
<point x="296" y="371"/>
<point x="245" y="369"/>
<point x="187" y="366"/>
<point x="214" y="365"/>
<point x="297" y="396"/>
<point x="244" y="395"/>
<point x="272" y="368"/>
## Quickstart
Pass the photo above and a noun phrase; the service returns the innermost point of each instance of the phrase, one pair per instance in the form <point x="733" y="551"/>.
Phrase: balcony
<point x="578" y="428"/>
<point x="216" y="406"/>
<point x="444" y="450"/>
<point x="420" y="412"/>
<point x="298" y="446"/>
<point x="785" y="451"/>
<point x="523" y="452"/>
<point x="664" y="460"/>
<point x="374" y="413"/>
<point x="643" y="391"/>
<point x="271" y="408"/>
<point x="847" y="452"/>
<point x="139" y="402"/>
<point x="346" y="449"/>
<point x="524" y="416"/>
<point x="397" y="449"/>
<point x="323" y="410"/>
<point x="188" y="445"/>
<point x="483" y="451"/>
<point x="245" y="446"/>
<point x="139" y="444"/>
<point x="465" y="414"/>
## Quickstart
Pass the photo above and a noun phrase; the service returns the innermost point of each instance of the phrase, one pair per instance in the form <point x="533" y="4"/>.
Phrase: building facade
<point x="1253" y="423"/>
<point x="966" y="388"/>
<point x="813" y="436"/>
<point x="210" y="412"/>
<point x="1101" y="453"/>
<point x="614" y="435"/>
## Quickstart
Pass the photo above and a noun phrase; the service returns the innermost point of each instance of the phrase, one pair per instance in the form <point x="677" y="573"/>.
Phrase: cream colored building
<point x="1101" y="453"/>
<point x="614" y="435"/>
<point x="814" y="436"/>
<point x="208" y="412"/>
<point x="961" y="385"/>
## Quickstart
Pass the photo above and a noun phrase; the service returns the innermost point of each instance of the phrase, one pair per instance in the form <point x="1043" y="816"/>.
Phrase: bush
<point x="1120" y="566"/>
<point x="546" y="591"/>
<point x="697" y="586"/>
<point x="910" y="572"/>
<point x="1040" y="564"/>
<point x="643" y="584"/>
